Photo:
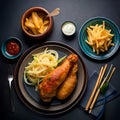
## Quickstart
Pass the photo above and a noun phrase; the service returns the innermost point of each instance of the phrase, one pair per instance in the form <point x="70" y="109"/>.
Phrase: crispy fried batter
<point x="54" y="79"/>
<point x="69" y="84"/>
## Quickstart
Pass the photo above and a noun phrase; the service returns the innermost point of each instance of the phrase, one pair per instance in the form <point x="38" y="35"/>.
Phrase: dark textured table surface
<point x="77" y="11"/>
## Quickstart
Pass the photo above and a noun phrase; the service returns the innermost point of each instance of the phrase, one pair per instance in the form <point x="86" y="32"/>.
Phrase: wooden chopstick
<point x="98" y="91"/>
<point x="91" y="97"/>
<point x="101" y="77"/>
<point x="94" y="100"/>
<point x="111" y="74"/>
<point x="101" y="73"/>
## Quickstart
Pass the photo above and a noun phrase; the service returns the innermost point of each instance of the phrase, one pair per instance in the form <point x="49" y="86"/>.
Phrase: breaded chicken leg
<point x="53" y="80"/>
<point x="69" y="84"/>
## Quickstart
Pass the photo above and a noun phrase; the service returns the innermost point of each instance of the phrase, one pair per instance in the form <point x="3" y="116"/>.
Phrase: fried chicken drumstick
<point x="67" y="87"/>
<point x="48" y="87"/>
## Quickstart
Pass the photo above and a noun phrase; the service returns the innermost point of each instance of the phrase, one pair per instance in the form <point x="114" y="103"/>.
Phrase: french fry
<point x="36" y="20"/>
<point x="29" y="24"/>
<point x="41" y="30"/>
<point x="36" y="24"/>
<point x="99" y="38"/>
<point x="46" y="22"/>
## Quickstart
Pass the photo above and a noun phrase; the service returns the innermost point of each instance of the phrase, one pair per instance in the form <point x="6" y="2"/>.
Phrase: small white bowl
<point x="68" y="28"/>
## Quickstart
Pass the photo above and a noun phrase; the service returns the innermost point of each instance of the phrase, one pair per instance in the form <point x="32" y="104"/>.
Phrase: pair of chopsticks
<point x="99" y="83"/>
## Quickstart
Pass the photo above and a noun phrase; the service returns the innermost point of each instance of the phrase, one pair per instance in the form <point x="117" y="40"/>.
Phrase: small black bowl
<point x="16" y="44"/>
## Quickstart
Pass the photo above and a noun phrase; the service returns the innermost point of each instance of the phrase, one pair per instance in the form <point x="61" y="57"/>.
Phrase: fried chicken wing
<point x="67" y="87"/>
<point x="53" y="80"/>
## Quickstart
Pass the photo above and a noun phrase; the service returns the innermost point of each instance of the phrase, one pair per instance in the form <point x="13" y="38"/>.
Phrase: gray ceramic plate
<point x="31" y="98"/>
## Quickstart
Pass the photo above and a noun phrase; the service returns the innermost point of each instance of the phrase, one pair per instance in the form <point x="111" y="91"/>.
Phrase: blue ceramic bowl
<point x="88" y="49"/>
<point x="4" y="49"/>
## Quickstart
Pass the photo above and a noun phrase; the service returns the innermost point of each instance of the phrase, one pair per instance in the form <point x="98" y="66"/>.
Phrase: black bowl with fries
<point x="99" y="38"/>
<point x="35" y="22"/>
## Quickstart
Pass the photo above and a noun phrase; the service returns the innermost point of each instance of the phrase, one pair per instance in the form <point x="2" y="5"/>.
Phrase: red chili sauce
<point x="12" y="48"/>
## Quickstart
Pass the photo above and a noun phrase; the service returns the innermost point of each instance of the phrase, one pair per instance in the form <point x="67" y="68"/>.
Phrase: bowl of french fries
<point x="99" y="38"/>
<point x="36" y="23"/>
